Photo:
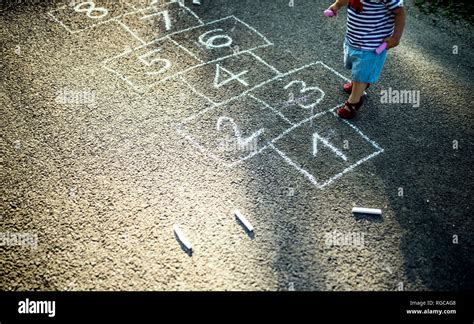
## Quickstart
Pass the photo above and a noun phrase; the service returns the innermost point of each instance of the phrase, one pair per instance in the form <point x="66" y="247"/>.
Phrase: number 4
<point x="233" y="76"/>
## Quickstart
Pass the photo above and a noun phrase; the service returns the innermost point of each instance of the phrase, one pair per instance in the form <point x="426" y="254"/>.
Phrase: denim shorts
<point x="366" y="66"/>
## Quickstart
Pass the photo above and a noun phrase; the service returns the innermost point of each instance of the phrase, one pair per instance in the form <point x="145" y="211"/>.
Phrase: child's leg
<point x="358" y="89"/>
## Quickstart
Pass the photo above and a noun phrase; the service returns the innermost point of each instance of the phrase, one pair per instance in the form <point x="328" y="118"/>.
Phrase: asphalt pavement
<point x="119" y="122"/>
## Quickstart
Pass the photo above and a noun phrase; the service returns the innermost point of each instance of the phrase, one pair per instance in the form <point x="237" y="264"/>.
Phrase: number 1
<point x="325" y="142"/>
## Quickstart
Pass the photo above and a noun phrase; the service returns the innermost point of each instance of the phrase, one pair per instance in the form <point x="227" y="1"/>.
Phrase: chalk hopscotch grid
<point x="199" y="93"/>
<point x="143" y="10"/>
<point x="116" y="18"/>
<point x="183" y="132"/>
<point x="270" y="144"/>
<point x="279" y="75"/>
<point x="246" y="92"/>
<point x="169" y="37"/>
<point x="307" y="174"/>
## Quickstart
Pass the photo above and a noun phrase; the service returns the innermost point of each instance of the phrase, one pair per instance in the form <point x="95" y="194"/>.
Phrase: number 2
<point x="240" y="140"/>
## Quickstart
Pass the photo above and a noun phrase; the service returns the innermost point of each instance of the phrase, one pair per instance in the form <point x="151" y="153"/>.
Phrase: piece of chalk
<point x="181" y="237"/>
<point x="329" y="13"/>
<point x="381" y="48"/>
<point x="373" y="211"/>
<point x="244" y="220"/>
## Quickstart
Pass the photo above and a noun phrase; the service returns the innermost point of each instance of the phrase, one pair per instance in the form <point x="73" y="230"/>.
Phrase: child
<point x="370" y="23"/>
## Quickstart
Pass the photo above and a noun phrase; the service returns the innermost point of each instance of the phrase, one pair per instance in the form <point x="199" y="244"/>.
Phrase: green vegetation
<point x="454" y="9"/>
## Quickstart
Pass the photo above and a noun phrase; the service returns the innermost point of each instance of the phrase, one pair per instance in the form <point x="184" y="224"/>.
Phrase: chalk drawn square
<point x="145" y="66"/>
<point x="156" y="22"/>
<point x="220" y="38"/>
<point x="304" y="92"/>
<point x="325" y="147"/>
<point x="228" y="78"/>
<point x="78" y="16"/>
<point x="233" y="133"/>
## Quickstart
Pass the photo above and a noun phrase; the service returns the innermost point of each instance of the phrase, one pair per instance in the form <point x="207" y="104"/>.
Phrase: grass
<point x="454" y="9"/>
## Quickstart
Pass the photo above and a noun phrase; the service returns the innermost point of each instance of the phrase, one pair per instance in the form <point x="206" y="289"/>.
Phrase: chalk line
<point x="197" y="92"/>
<point x="253" y="29"/>
<point x="130" y="31"/>
<point x="233" y="77"/>
<point x="186" y="50"/>
<point x="271" y="108"/>
<point x="192" y="13"/>
<point x="125" y="79"/>
<point x="225" y="102"/>
<point x="258" y="58"/>
<point x="350" y="168"/>
<point x="317" y="137"/>
<point x="196" y="27"/>
<point x="374" y="144"/>
<point x="297" y="167"/>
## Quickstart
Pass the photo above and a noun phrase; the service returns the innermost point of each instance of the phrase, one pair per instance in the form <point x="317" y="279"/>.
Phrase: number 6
<point x="211" y="41"/>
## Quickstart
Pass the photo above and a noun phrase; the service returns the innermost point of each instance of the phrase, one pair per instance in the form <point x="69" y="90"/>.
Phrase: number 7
<point x="166" y="18"/>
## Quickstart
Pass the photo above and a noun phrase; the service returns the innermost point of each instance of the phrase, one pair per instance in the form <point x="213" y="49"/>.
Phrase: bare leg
<point x="358" y="89"/>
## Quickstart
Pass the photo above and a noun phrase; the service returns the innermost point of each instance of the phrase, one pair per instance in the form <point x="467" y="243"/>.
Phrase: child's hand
<point x="392" y="42"/>
<point x="335" y="7"/>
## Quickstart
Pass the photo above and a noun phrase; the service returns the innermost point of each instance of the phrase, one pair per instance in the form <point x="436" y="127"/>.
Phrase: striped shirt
<point x="367" y="30"/>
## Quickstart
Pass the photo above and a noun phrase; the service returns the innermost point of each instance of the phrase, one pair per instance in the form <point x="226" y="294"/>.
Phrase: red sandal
<point x="353" y="108"/>
<point x="348" y="87"/>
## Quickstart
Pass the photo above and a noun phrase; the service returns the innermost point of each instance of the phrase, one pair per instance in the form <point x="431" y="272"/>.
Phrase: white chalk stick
<point x="197" y="2"/>
<point x="244" y="220"/>
<point x="181" y="237"/>
<point x="360" y="210"/>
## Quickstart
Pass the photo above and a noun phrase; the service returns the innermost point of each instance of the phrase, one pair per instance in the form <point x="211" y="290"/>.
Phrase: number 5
<point x="145" y="59"/>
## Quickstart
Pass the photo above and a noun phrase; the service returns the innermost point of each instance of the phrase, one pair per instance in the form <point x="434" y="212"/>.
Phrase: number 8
<point x="90" y="9"/>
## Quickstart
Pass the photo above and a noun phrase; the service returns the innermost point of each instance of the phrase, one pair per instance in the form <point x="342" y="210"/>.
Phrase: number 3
<point x="304" y="89"/>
